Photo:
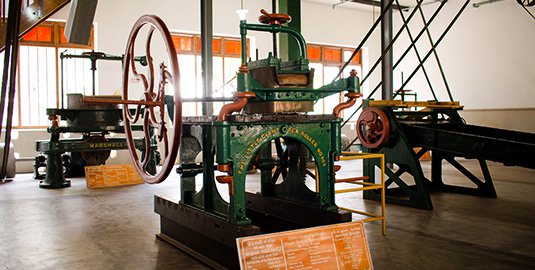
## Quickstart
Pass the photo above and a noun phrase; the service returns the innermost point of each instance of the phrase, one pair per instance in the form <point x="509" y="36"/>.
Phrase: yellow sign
<point x="337" y="247"/>
<point x="111" y="176"/>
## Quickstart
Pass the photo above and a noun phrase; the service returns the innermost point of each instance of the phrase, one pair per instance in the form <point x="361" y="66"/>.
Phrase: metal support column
<point x="207" y="54"/>
<point x="288" y="47"/>
<point x="387" y="74"/>
<point x="207" y="107"/>
<point x="9" y="76"/>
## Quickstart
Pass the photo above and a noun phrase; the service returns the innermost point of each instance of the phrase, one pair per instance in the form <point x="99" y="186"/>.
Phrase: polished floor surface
<point x="114" y="228"/>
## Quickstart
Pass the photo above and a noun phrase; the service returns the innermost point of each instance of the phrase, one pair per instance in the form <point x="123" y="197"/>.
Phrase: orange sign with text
<point x="111" y="176"/>
<point x="337" y="247"/>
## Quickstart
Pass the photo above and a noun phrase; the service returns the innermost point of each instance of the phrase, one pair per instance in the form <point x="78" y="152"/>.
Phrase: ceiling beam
<point x="374" y="3"/>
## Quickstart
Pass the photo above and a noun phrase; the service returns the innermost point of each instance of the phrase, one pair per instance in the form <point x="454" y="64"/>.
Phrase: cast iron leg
<point x="54" y="173"/>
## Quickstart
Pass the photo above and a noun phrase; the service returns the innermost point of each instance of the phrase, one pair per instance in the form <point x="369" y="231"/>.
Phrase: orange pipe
<point x="241" y="101"/>
<point x="227" y="179"/>
<point x="350" y="102"/>
<point x="223" y="167"/>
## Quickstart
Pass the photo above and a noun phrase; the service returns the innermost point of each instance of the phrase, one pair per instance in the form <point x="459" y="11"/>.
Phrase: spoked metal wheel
<point x="150" y="110"/>
<point x="373" y="127"/>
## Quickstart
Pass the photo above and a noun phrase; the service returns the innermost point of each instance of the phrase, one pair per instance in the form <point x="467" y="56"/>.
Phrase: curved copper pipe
<point x="227" y="179"/>
<point x="352" y="98"/>
<point x="223" y="167"/>
<point x="241" y="101"/>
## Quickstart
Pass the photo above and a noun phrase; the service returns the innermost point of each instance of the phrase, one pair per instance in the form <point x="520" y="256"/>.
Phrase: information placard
<point x="338" y="246"/>
<point x="111" y="176"/>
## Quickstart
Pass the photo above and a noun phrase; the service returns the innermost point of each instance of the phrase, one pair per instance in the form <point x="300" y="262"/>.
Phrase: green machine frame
<point x="203" y="222"/>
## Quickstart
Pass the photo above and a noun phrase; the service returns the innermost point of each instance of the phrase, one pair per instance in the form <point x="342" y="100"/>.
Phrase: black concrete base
<point x="55" y="184"/>
<point x="213" y="241"/>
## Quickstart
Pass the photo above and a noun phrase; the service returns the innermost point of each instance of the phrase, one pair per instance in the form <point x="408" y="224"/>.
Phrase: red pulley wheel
<point x="373" y="127"/>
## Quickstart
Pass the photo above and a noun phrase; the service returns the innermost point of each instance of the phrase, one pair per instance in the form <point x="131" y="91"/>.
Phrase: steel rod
<point x="416" y="39"/>
<point x="94" y="100"/>
<point x="399" y="60"/>
<point x="397" y="63"/>
<point x="275" y="41"/>
<point x="366" y="37"/>
<point x="353" y="114"/>
<point x="207" y="53"/>
<point x="526" y="9"/>
<point x="5" y="74"/>
<point x="398" y="34"/>
<point x="209" y="188"/>
<point x="11" y="41"/>
<point x="438" y="42"/>
<point x="61" y="86"/>
<point x="93" y="75"/>
<point x="387" y="72"/>
<point x="418" y="54"/>
<point x="446" y="84"/>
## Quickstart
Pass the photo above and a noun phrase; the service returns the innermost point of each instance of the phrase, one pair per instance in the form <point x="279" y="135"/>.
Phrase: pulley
<point x="373" y="127"/>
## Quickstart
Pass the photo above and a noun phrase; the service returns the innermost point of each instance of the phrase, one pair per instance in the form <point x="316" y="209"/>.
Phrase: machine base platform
<point x="54" y="184"/>
<point x="213" y="240"/>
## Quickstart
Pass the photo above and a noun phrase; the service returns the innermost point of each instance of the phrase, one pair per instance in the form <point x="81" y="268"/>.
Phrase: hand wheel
<point x="150" y="110"/>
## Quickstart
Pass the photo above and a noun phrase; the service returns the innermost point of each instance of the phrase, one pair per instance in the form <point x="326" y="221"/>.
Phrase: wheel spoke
<point x="278" y="147"/>
<point x="150" y="89"/>
<point x="146" y="136"/>
<point x="276" y="175"/>
<point x="373" y="127"/>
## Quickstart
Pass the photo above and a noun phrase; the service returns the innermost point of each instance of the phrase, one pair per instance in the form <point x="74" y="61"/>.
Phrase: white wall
<point x="342" y="26"/>
<point x="488" y="56"/>
<point x="114" y="20"/>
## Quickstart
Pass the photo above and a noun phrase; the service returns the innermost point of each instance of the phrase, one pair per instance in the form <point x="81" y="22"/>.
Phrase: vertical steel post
<point x="61" y="87"/>
<point x="207" y="108"/>
<point x="9" y="76"/>
<point x="275" y="40"/>
<point x="207" y="54"/>
<point x="387" y="72"/>
<point x="288" y="47"/>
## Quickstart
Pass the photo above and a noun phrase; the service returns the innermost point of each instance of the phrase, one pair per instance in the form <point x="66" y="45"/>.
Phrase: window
<point x="327" y="61"/>
<point x="226" y="61"/>
<point x="38" y="83"/>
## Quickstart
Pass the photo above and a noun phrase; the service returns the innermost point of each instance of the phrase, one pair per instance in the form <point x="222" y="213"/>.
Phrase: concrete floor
<point x="115" y="228"/>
